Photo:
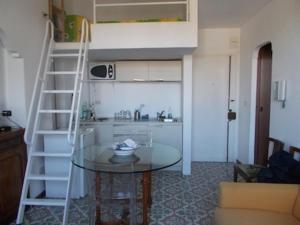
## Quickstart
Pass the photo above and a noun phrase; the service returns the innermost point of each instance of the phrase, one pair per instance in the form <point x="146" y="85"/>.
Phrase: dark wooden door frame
<point x="263" y="102"/>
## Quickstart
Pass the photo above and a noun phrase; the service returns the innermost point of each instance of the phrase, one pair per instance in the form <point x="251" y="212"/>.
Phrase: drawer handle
<point x="160" y="126"/>
<point x="138" y="80"/>
<point x="120" y="125"/>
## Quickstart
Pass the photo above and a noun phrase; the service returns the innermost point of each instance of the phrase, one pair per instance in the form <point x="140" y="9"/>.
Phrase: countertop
<point x="128" y="122"/>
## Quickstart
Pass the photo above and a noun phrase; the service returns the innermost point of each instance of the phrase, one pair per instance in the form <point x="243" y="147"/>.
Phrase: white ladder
<point x="35" y="130"/>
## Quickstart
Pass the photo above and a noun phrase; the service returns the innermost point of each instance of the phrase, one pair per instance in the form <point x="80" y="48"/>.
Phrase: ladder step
<point x="48" y="154"/>
<point x="44" y="202"/>
<point x="58" y="91"/>
<point x="62" y="73"/>
<point x="48" y="177"/>
<point x="54" y="111"/>
<point x="62" y="55"/>
<point x="52" y="132"/>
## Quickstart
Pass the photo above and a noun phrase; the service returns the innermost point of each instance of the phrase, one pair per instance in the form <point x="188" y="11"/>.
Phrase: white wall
<point x="277" y="23"/>
<point x="215" y="47"/>
<point x="113" y="97"/>
<point x="222" y="41"/>
<point x="14" y="88"/>
<point x="23" y="26"/>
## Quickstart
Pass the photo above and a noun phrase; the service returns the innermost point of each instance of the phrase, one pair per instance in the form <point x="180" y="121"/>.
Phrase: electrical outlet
<point x="6" y="113"/>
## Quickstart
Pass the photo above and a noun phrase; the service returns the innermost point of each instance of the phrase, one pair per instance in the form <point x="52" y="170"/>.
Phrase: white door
<point x="2" y="87"/>
<point x="210" y="107"/>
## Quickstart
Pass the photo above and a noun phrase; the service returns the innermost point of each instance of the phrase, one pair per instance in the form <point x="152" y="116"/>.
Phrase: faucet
<point x="160" y="116"/>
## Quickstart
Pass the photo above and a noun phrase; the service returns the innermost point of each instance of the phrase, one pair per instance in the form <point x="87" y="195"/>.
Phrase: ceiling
<point x="227" y="13"/>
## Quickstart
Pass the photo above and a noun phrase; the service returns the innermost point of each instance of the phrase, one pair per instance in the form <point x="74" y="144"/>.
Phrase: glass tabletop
<point x="102" y="158"/>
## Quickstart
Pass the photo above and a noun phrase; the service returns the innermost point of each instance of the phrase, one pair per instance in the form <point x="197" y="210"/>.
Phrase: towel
<point x="125" y="145"/>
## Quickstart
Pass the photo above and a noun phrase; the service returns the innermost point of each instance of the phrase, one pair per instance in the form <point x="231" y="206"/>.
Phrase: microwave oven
<point x="102" y="71"/>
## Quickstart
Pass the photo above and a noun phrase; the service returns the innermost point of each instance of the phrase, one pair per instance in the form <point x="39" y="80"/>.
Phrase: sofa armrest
<point x="271" y="197"/>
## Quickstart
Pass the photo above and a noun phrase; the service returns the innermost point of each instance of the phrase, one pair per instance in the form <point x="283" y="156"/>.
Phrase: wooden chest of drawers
<point x="13" y="158"/>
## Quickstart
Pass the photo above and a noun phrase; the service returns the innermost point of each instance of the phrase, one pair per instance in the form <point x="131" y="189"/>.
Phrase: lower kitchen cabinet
<point x="13" y="159"/>
<point x="168" y="134"/>
<point x="103" y="133"/>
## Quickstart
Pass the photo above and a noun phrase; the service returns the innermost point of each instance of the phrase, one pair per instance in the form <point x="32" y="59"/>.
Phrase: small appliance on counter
<point x="137" y="115"/>
<point x="102" y="71"/>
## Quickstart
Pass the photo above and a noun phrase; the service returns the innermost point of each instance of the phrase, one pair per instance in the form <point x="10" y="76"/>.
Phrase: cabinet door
<point x="12" y="169"/>
<point x="167" y="134"/>
<point x="103" y="133"/>
<point x="137" y="132"/>
<point x="165" y="70"/>
<point x="131" y="71"/>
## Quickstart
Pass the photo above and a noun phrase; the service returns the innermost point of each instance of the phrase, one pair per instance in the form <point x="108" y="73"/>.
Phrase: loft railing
<point x="47" y="46"/>
<point x="154" y="3"/>
<point x="80" y="70"/>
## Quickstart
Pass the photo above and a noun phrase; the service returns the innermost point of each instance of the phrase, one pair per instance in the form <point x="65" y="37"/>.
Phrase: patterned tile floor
<point x="177" y="199"/>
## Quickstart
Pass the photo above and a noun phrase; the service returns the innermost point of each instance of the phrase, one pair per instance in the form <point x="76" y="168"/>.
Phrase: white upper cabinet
<point x="148" y="71"/>
<point x="165" y="71"/>
<point x="132" y="71"/>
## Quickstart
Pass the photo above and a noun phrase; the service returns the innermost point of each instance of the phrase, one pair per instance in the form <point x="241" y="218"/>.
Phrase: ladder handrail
<point x="38" y="98"/>
<point x="46" y="41"/>
<point x="82" y="53"/>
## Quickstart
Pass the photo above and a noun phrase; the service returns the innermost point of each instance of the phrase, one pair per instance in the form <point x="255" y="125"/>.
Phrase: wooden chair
<point x="249" y="172"/>
<point x="274" y="145"/>
<point x="295" y="152"/>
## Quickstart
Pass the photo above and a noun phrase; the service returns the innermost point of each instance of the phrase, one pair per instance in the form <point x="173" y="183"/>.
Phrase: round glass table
<point x="101" y="160"/>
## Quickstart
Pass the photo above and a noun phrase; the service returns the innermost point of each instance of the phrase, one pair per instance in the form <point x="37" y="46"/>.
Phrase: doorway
<point x="2" y="78"/>
<point x="263" y="102"/>
<point x="211" y="136"/>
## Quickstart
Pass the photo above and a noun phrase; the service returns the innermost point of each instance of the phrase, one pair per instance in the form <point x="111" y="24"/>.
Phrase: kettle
<point x="137" y="115"/>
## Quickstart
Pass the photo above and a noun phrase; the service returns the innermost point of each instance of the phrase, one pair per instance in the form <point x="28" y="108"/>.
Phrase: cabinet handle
<point x="120" y="125"/>
<point x="159" y="126"/>
<point x="138" y="80"/>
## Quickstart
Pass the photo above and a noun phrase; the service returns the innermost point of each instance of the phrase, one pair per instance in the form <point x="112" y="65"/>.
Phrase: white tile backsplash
<point x="111" y="97"/>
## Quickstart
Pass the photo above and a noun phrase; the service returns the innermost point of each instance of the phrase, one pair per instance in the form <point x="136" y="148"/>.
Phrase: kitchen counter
<point x="127" y="122"/>
<point x="168" y="133"/>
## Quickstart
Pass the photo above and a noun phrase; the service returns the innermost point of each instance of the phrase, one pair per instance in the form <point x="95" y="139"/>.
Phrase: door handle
<point x="261" y="109"/>
<point x="231" y="115"/>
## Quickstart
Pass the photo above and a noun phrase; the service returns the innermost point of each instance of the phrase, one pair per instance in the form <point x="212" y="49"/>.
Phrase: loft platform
<point x="123" y="30"/>
<point x="127" y="54"/>
<point x="125" y="24"/>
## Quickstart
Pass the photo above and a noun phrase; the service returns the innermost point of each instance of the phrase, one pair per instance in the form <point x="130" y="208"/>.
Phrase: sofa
<point x="258" y="204"/>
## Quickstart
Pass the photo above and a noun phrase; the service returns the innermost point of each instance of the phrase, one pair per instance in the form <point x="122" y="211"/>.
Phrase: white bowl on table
<point x="124" y="151"/>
